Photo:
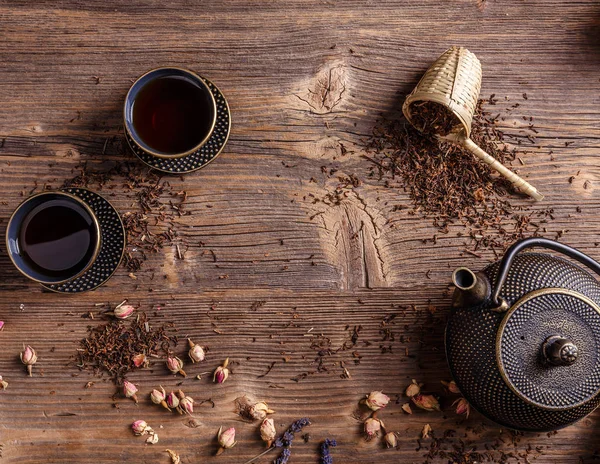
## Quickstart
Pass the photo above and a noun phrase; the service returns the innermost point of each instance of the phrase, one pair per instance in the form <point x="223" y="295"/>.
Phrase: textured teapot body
<point x="477" y="328"/>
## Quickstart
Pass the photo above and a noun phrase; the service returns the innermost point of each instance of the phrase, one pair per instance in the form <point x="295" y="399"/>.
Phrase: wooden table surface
<point x="302" y="79"/>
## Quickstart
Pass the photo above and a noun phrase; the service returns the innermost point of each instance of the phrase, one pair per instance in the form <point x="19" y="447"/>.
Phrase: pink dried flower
<point x="186" y="404"/>
<point x="123" y="311"/>
<point x="226" y="439"/>
<point x="462" y="407"/>
<point x="451" y="386"/>
<point x="140" y="360"/>
<point x="372" y="427"/>
<point x="140" y="427"/>
<point x="221" y="373"/>
<point x="426" y="402"/>
<point x="196" y="352"/>
<point x="175" y="365"/>
<point x="267" y="431"/>
<point x="377" y="400"/>
<point x="29" y="358"/>
<point x="159" y="397"/>
<point x="1" y="325"/>
<point x="172" y="400"/>
<point x="130" y="390"/>
<point x="260" y="410"/>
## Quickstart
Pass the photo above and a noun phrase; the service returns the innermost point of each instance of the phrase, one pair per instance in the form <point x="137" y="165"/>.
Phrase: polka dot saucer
<point x="111" y="250"/>
<point x="204" y="155"/>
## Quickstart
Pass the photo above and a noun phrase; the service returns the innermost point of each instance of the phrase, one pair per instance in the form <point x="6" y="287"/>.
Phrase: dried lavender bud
<point x="123" y="311"/>
<point x="196" y="352"/>
<point x="221" y="373"/>
<point x="287" y="438"/>
<point x="324" y="449"/>
<point x="284" y="457"/>
<point x="175" y="365"/>
<point x="377" y="400"/>
<point x="130" y="390"/>
<point x="29" y="358"/>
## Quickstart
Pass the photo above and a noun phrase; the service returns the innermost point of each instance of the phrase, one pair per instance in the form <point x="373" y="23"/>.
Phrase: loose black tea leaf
<point x="450" y="186"/>
<point x="111" y="347"/>
<point x="432" y="118"/>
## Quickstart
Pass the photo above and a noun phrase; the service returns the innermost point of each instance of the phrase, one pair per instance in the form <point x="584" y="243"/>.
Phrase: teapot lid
<point x="548" y="348"/>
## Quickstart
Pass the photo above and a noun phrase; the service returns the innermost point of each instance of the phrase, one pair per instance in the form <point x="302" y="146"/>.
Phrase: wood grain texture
<point x="303" y="78"/>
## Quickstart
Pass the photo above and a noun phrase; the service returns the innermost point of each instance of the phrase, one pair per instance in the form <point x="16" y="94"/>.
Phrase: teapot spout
<point x="472" y="289"/>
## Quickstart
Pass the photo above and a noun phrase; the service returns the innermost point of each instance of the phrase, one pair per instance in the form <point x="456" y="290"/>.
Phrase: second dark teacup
<point x="169" y="113"/>
<point x="53" y="237"/>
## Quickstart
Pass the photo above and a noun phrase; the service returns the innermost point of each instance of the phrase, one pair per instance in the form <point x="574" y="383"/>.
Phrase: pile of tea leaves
<point x="111" y="347"/>
<point x="449" y="185"/>
<point x="152" y="224"/>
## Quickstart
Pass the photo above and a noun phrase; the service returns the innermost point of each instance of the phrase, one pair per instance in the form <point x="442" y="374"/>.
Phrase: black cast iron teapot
<point x="523" y="338"/>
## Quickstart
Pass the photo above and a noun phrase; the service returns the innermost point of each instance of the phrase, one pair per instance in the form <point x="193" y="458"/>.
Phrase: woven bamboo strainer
<point x="454" y="80"/>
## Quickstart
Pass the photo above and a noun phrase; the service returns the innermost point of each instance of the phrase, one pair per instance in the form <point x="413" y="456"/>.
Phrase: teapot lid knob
<point x="559" y="351"/>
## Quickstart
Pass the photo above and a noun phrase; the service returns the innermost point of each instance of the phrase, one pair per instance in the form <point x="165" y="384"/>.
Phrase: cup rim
<point x="97" y="245"/>
<point x="164" y="155"/>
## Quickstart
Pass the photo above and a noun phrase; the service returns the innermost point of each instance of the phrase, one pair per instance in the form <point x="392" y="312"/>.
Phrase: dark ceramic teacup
<point x="53" y="237"/>
<point x="169" y="113"/>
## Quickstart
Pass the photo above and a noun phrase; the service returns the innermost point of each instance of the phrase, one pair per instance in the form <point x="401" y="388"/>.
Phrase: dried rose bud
<point x="377" y="400"/>
<point x="426" y="402"/>
<point x="123" y="311"/>
<point x="406" y="408"/>
<point x="172" y="400"/>
<point x="140" y="427"/>
<point x="226" y="439"/>
<point x="413" y="389"/>
<point x="462" y="407"/>
<point x="1" y="325"/>
<point x="221" y="373"/>
<point x="29" y="358"/>
<point x="3" y="383"/>
<point x="159" y="397"/>
<point x="186" y="404"/>
<point x="426" y="432"/>
<point x="130" y="390"/>
<point x="175" y="365"/>
<point x="196" y="352"/>
<point x="268" y="432"/>
<point x="373" y="427"/>
<point x="451" y="386"/>
<point x="140" y="360"/>
<point x="391" y="440"/>
<point x="260" y="410"/>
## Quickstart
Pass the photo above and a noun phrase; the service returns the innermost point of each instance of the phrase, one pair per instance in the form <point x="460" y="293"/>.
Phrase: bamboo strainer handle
<point x="493" y="163"/>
